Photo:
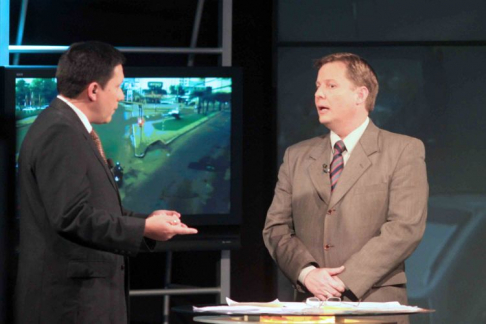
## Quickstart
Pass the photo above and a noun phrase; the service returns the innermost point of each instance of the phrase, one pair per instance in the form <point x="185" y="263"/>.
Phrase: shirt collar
<point x="78" y="112"/>
<point x="352" y="139"/>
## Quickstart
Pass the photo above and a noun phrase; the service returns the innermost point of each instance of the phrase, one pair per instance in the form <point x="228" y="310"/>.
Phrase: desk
<point x="240" y="318"/>
<point x="222" y="319"/>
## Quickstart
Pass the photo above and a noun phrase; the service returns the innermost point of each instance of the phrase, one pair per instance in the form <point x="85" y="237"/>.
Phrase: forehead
<point x="117" y="74"/>
<point x="332" y="70"/>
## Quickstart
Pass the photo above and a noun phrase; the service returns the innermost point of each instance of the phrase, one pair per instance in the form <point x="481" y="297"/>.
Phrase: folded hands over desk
<point x="325" y="283"/>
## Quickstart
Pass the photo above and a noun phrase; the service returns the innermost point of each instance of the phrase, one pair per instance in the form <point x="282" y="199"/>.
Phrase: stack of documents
<point x="293" y="308"/>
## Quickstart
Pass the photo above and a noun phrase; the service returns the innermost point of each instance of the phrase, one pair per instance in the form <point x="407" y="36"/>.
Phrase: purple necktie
<point x="337" y="163"/>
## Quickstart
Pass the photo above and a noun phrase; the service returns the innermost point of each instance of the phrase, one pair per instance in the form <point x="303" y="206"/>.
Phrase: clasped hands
<point x="162" y="225"/>
<point x="324" y="283"/>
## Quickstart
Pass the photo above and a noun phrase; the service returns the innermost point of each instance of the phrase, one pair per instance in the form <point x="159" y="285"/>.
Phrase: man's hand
<point x="165" y="213"/>
<point x="324" y="283"/>
<point x="162" y="225"/>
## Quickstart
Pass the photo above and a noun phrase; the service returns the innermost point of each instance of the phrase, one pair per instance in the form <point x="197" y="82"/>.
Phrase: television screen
<point x="173" y="143"/>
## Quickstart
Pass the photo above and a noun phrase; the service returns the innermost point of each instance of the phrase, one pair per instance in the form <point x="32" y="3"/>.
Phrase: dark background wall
<point x="7" y="207"/>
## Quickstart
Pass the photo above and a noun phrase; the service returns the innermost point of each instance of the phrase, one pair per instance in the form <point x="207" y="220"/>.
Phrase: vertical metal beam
<point x="4" y="31"/>
<point x="167" y="283"/>
<point x="226" y="31"/>
<point x="225" y="275"/>
<point x="195" y="30"/>
<point x="20" y="30"/>
<point x="4" y="251"/>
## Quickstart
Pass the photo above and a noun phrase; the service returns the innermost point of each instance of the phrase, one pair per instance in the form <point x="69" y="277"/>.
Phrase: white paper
<point x="277" y="307"/>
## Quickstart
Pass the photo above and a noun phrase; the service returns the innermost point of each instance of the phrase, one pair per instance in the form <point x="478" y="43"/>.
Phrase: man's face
<point x="108" y="98"/>
<point x="335" y="96"/>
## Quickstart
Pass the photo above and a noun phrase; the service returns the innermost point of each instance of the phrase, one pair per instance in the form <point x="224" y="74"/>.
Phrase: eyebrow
<point x="326" y="80"/>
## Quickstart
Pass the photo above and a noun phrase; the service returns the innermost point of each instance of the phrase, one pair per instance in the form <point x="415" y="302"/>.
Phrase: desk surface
<point x="222" y="319"/>
<point x="311" y="312"/>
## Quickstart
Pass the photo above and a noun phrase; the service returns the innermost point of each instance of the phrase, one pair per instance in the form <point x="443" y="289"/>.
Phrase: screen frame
<point x="228" y="220"/>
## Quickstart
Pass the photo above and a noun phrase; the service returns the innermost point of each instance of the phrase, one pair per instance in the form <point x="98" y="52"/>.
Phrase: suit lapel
<point x="357" y="164"/>
<point x="101" y="160"/>
<point x="320" y="156"/>
<point x="70" y="115"/>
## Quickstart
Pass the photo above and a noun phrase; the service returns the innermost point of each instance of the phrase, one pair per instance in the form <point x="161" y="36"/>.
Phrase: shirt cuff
<point x="303" y="274"/>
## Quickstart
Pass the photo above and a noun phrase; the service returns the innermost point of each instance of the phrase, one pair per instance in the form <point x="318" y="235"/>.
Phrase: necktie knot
<point x="339" y="147"/>
<point x="94" y="135"/>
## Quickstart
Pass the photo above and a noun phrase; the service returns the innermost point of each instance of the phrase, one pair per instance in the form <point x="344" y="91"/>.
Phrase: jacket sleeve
<point x="68" y="189"/>
<point x="147" y="245"/>
<point x="284" y="246"/>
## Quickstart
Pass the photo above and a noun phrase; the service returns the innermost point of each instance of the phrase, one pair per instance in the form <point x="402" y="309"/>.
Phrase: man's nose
<point x="319" y="93"/>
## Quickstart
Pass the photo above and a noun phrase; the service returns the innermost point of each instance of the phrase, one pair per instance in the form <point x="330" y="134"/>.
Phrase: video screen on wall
<point x="171" y="142"/>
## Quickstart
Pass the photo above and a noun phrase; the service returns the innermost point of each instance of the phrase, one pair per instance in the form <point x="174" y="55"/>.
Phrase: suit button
<point x="328" y="246"/>
<point x="331" y="211"/>
<point x="122" y="267"/>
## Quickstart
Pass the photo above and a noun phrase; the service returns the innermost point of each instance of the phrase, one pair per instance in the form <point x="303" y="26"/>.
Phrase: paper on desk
<point x="288" y="308"/>
<point x="236" y="307"/>
<point x="275" y="303"/>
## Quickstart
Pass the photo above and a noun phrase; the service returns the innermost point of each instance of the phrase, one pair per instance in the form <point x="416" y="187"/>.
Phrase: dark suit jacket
<point x="371" y="223"/>
<point x="74" y="236"/>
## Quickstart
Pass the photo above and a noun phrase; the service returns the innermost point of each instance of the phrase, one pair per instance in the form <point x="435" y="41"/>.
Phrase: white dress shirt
<point x="78" y="112"/>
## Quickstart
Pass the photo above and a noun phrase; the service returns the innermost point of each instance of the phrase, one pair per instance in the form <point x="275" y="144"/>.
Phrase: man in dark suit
<point x="351" y="206"/>
<point x="75" y="236"/>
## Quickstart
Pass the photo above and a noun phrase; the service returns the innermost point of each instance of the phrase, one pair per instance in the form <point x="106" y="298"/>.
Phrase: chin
<point x="106" y="121"/>
<point x="324" y="120"/>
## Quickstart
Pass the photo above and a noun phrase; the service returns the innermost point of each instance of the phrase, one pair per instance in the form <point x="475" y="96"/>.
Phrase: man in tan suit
<point x="350" y="240"/>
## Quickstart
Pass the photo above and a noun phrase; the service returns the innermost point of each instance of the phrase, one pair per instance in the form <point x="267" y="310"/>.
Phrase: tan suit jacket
<point x="371" y="223"/>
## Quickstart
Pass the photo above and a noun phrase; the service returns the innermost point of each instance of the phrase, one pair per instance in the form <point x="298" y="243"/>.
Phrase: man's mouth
<point x="322" y="108"/>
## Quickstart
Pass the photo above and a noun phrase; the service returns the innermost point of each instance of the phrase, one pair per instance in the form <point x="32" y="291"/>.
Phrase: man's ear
<point x="361" y="95"/>
<point x="93" y="89"/>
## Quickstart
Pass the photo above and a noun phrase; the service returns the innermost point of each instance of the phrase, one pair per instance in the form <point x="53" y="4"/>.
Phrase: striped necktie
<point x="337" y="163"/>
<point x="97" y="142"/>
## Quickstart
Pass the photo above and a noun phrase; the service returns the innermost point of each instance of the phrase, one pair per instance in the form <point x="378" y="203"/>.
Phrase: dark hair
<point x="84" y="63"/>
<point x="359" y="72"/>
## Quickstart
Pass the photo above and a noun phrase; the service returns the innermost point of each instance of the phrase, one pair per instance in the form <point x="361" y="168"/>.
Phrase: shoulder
<point x="399" y="139"/>
<point x="56" y="113"/>
<point x="52" y="129"/>
<point x="394" y="142"/>
<point x="307" y="150"/>
<point x="308" y="144"/>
